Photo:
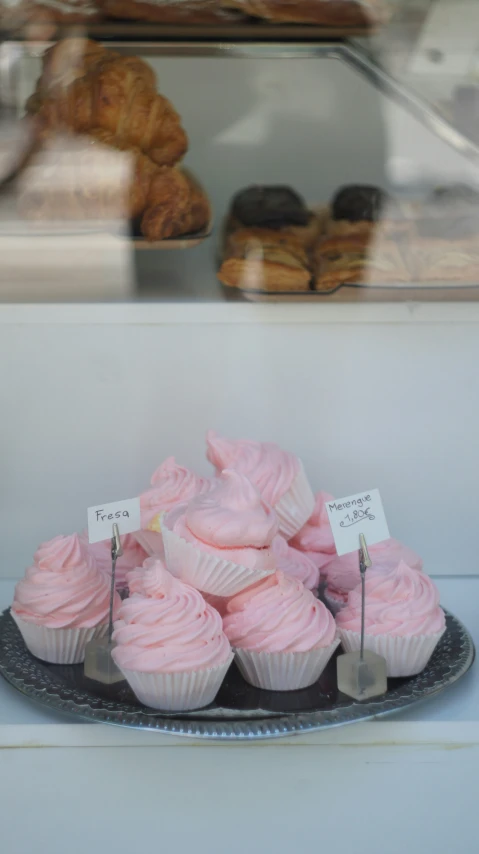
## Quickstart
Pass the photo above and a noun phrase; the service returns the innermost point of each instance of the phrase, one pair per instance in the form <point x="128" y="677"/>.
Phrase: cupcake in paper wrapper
<point x="169" y="643"/>
<point x="177" y="692"/>
<point x="278" y="475"/>
<point x="284" y="671"/>
<point x="403" y="619"/>
<point x="57" y="646"/>
<point x="220" y="542"/>
<point x="405" y="656"/>
<point x="282" y="635"/>
<point x="315" y="539"/>
<point x="63" y="601"/>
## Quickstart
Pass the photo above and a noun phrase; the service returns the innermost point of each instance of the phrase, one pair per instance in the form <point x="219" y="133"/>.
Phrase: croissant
<point x="101" y="89"/>
<point x="175" y="206"/>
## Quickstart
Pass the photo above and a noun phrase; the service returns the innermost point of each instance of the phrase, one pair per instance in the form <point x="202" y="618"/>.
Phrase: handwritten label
<point x="357" y="514"/>
<point x="101" y="519"/>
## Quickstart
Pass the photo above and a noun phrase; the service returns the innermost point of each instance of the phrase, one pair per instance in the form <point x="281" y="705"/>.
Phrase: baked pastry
<point x="278" y="475"/>
<point x="333" y="13"/>
<point x="257" y="259"/>
<point x="269" y="237"/>
<point x="110" y="92"/>
<point x="85" y="177"/>
<point x="220" y="541"/>
<point x="169" y="644"/>
<point x="359" y="210"/>
<point x="175" y="205"/>
<point x="445" y="260"/>
<point x="62" y="602"/>
<point x="403" y="619"/>
<point x="360" y="259"/>
<point x="169" y="11"/>
<point x="282" y="635"/>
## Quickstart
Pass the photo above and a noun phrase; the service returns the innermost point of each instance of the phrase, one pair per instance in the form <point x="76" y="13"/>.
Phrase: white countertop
<point x="452" y="717"/>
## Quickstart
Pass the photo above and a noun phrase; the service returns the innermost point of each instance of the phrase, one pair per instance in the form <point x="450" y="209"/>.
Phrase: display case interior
<point x="312" y="118"/>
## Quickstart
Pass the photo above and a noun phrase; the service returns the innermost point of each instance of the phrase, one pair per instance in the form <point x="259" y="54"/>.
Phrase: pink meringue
<point x="230" y="520"/>
<point x="269" y="468"/>
<point x="171" y="485"/>
<point x="343" y="572"/>
<point x="278" y="615"/>
<point x="168" y="627"/>
<point x="295" y="564"/>
<point x="401" y="602"/>
<point x="133" y="555"/>
<point x="64" y="588"/>
<point x="315" y="538"/>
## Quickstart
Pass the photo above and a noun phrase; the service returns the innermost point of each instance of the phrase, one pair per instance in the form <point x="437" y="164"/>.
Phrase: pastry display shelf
<point x="364" y="59"/>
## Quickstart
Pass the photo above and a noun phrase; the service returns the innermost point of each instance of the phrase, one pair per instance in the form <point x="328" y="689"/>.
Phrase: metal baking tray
<point x="240" y="712"/>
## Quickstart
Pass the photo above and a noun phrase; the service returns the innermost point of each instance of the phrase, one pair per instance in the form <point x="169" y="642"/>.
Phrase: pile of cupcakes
<point x="227" y="567"/>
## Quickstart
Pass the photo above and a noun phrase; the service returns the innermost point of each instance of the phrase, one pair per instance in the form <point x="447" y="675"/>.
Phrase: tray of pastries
<point x="366" y="244"/>
<point x="228" y="609"/>
<point x="250" y="19"/>
<point x="108" y="148"/>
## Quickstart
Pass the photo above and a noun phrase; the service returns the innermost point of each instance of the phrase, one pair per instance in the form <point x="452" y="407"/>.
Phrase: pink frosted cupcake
<point x="295" y="563"/>
<point x="171" y="484"/>
<point x="342" y="573"/>
<point x="221" y="541"/>
<point x="277" y="474"/>
<point x="315" y="538"/>
<point x="403" y="620"/>
<point x="282" y="636"/>
<point x="133" y="555"/>
<point x="169" y="644"/>
<point x="63" y="601"/>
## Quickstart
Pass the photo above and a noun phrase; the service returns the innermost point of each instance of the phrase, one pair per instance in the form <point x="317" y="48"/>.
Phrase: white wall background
<point x="88" y="412"/>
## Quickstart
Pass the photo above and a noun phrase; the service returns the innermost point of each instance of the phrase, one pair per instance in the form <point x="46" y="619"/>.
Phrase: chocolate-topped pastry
<point x="269" y="207"/>
<point x="456" y="198"/>
<point x="359" y="202"/>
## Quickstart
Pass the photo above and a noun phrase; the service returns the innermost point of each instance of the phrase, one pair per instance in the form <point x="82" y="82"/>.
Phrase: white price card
<point x="357" y="514"/>
<point x="101" y="519"/>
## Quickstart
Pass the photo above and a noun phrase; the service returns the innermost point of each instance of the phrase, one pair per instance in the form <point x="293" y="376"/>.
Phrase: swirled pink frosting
<point x="401" y="602"/>
<point x="316" y="537"/>
<point x="295" y="563"/>
<point x="270" y="469"/>
<point x="64" y="588"/>
<point x="133" y="555"/>
<point x="343" y="572"/>
<point x="278" y="615"/>
<point x="167" y="627"/>
<point x="171" y="484"/>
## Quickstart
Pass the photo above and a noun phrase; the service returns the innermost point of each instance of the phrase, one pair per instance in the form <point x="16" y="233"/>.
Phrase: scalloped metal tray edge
<point x="452" y="659"/>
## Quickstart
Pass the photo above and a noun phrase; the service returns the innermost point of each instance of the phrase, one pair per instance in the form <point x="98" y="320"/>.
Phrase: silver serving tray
<point x="240" y="711"/>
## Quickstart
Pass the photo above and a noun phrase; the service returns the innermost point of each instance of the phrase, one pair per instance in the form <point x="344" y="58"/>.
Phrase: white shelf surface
<point x="451" y="718"/>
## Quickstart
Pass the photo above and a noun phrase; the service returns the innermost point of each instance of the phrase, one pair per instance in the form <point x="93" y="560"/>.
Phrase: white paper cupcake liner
<point x="58" y="646"/>
<point x="405" y="656"/>
<point x="296" y="506"/>
<point x="283" y="671"/>
<point x="151" y="541"/>
<point x="177" y="692"/>
<point x="205" y="571"/>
